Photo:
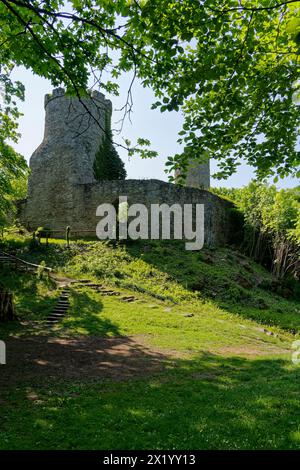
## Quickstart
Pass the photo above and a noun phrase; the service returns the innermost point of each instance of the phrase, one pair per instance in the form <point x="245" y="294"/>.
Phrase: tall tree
<point x="12" y="164"/>
<point x="232" y="67"/>
<point x="272" y="224"/>
<point x="107" y="164"/>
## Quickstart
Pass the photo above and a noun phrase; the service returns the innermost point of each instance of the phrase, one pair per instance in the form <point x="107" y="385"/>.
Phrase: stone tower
<point x="198" y="174"/>
<point x="73" y="133"/>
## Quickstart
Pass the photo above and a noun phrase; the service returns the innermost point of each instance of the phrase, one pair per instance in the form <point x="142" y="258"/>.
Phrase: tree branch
<point x="253" y="9"/>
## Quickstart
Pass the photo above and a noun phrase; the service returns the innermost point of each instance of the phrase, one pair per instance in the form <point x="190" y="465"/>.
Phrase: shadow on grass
<point x="215" y="275"/>
<point x="39" y="358"/>
<point x="34" y="298"/>
<point x="209" y="402"/>
<point x="84" y="316"/>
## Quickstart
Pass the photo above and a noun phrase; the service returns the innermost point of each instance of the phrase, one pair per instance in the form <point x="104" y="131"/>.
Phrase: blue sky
<point x="160" y="128"/>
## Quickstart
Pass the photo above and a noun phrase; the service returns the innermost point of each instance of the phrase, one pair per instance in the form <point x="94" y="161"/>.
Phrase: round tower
<point x="76" y="126"/>
<point x="74" y="129"/>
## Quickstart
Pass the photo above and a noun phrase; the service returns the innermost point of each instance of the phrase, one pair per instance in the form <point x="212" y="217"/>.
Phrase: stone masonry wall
<point x="87" y="197"/>
<point x="81" y="216"/>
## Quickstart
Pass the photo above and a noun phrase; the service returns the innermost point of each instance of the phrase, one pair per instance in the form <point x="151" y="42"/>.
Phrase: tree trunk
<point x="7" y="310"/>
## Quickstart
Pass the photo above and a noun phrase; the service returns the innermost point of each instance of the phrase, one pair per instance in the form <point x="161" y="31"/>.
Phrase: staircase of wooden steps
<point x="61" y="308"/>
<point x="103" y="290"/>
<point x="63" y="303"/>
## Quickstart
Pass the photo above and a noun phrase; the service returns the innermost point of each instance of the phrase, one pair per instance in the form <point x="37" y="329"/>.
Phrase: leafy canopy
<point x="231" y="67"/>
<point x="12" y="165"/>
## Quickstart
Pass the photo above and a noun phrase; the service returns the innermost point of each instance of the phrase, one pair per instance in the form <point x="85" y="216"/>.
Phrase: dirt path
<point x="39" y="358"/>
<point x="46" y="357"/>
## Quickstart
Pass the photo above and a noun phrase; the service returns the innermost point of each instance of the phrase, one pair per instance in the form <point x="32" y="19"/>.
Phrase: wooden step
<point x="128" y="299"/>
<point x="57" y="314"/>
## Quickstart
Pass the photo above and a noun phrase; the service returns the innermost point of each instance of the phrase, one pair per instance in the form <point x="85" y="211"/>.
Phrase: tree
<point x="272" y="222"/>
<point x="7" y="309"/>
<point x="282" y="221"/>
<point x="230" y="66"/>
<point x="107" y="164"/>
<point x="12" y="164"/>
<point x="13" y="184"/>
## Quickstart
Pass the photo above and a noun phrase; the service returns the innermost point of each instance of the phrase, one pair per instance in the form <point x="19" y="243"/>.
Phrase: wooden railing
<point x="20" y="263"/>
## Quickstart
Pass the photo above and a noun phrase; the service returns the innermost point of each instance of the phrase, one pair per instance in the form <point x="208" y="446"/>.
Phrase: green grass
<point x="168" y="272"/>
<point x="227" y="380"/>
<point x="165" y="270"/>
<point x="165" y="324"/>
<point x="207" y="403"/>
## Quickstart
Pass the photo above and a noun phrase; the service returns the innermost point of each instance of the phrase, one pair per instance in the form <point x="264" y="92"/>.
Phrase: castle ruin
<point x="62" y="188"/>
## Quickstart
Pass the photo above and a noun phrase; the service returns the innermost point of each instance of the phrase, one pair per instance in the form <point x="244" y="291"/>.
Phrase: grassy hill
<point x="198" y="356"/>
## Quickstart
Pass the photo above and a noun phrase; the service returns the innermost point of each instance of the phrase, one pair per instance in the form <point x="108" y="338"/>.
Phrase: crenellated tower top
<point x="73" y="119"/>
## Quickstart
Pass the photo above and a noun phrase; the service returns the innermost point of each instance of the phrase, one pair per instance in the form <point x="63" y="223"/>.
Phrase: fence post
<point x="2" y="353"/>
<point x="68" y="229"/>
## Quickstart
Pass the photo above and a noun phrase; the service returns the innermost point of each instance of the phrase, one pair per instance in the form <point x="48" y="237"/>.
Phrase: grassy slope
<point x="168" y="272"/>
<point x="229" y="385"/>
